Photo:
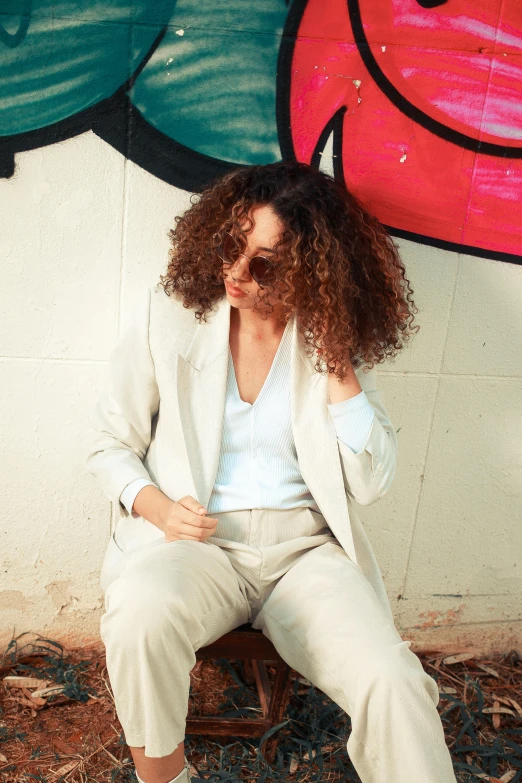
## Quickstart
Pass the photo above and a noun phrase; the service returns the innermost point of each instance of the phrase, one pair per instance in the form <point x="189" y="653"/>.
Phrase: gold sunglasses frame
<point x="269" y="263"/>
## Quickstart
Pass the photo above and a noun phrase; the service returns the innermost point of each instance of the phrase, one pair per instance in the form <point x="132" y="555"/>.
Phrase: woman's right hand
<point x="182" y="520"/>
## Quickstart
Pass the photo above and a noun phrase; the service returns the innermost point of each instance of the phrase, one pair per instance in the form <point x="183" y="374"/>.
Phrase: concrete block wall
<point x="84" y="230"/>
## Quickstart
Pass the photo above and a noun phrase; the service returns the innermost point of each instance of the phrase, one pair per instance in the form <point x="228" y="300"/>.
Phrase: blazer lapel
<point x="316" y="444"/>
<point x="201" y="388"/>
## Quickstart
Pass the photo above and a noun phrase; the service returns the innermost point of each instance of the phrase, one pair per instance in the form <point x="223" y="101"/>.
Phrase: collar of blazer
<point x="201" y="375"/>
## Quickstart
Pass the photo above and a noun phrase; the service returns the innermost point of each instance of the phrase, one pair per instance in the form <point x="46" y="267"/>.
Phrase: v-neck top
<point x="258" y="462"/>
<point x="258" y="466"/>
<point x="232" y="379"/>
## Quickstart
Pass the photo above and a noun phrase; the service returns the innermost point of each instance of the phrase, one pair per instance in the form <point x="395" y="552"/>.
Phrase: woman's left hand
<point x="338" y="390"/>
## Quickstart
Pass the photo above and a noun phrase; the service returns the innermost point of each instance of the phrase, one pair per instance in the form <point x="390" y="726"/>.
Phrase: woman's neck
<point x="249" y="323"/>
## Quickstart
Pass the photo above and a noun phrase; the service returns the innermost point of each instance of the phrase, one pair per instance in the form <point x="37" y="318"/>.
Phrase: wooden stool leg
<point x="249" y="672"/>
<point x="278" y="702"/>
<point x="254" y="648"/>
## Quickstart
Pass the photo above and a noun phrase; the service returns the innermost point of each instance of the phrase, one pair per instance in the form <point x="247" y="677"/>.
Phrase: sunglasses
<point x="228" y="249"/>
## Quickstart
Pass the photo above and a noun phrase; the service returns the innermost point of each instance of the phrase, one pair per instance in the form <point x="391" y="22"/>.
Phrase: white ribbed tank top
<point x="258" y="465"/>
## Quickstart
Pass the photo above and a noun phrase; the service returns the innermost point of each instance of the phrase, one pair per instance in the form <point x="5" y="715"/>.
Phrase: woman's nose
<point x="241" y="267"/>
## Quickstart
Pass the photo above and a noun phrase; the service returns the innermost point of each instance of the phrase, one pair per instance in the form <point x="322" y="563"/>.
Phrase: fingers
<point x="180" y="536"/>
<point x="190" y="522"/>
<point x="189" y="513"/>
<point x="197" y="532"/>
<point x="192" y="504"/>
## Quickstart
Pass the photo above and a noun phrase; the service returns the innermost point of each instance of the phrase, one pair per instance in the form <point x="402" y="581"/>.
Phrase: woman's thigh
<point x="179" y="584"/>
<point x="327" y="622"/>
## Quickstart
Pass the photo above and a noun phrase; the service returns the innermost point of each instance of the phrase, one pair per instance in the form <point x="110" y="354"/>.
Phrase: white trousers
<point x="283" y="571"/>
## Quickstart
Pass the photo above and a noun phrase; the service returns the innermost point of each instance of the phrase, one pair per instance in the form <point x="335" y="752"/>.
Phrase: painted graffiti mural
<point x="419" y="102"/>
<point x="426" y="101"/>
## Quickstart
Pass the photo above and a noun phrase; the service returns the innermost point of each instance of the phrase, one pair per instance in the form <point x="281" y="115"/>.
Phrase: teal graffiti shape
<point x="59" y="58"/>
<point x="210" y="83"/>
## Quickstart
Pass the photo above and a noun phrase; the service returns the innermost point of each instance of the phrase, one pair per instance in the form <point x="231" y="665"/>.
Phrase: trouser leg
<point x="167" y="603"/>
<point x="326" y="621"/>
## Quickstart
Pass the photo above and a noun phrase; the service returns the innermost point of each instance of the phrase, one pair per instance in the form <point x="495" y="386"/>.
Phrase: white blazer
<point x="160" y="415"/>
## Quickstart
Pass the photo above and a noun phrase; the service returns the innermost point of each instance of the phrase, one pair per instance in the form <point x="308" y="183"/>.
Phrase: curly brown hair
<point x="338" y="269"/>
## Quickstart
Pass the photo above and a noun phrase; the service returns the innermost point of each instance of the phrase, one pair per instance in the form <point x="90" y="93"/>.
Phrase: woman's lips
<point x="235" y="291"/>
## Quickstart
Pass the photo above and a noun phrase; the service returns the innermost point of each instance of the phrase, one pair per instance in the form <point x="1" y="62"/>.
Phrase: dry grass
<point x="74" y="734"/>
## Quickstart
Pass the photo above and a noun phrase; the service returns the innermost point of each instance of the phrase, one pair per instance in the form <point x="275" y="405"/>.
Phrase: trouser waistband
<point x="262" y="527"/>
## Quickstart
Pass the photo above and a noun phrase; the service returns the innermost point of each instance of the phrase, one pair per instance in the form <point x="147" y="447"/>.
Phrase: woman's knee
<point x="138" y="606"/>
<point x="397" y="673"/>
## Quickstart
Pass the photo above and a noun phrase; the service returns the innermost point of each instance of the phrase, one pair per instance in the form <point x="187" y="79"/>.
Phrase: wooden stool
<point x="252" y="646"/>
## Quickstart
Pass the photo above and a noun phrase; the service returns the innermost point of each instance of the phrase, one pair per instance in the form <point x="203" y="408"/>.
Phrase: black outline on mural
<point x="137" y="140"/>
<point x="409" y="109"/>
<point x="182" y="167"/>
<point x="335" y="126"/>
<point x="284" y="76"/>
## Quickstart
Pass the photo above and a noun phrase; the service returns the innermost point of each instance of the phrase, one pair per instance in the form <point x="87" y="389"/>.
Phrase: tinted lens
<point x="262" y="270"/>
<point x="228" y="249"/>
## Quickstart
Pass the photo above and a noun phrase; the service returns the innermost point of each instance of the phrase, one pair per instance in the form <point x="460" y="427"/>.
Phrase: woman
<point x="240" y="423"/>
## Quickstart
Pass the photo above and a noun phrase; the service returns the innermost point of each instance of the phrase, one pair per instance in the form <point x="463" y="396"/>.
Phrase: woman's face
<point x="260" y="241"/>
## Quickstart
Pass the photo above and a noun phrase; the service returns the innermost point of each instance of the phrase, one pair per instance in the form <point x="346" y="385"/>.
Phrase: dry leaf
<point x="510" y="701"/>
<point x="14" y="681"/>
<point x="64" y="747"/>
<point x="446" y="689"/>
<point x="507" y="776"/>
<point x="66" y="768"/>
<point x="498" y="710"/>
<point x="2" y="757"/>
<point x="37" y="702"/>
<point x="29" y="698"/>
<point x="517" y="706"/>
<point x="496" y="716"/>
<point x="460" y="658"/>
<point x="501" y="699"/>
<point x="487" y="669"/>
<point x="294" y="763"/>
<point x="26" y="703"/>
<point x="47" y="691"/>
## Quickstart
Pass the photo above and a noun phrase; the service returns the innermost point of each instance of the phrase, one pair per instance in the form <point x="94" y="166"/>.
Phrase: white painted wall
<point x="83" y="231"/>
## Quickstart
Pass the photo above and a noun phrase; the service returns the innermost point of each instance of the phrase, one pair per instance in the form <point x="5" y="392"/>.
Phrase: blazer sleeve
<point x="369" y="474"/>
<point x="121" y="421"/>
